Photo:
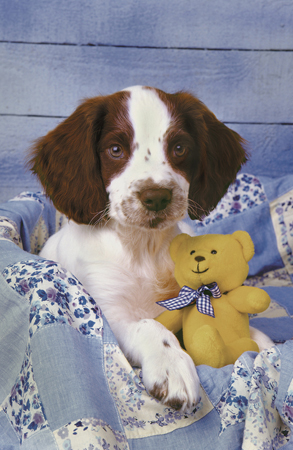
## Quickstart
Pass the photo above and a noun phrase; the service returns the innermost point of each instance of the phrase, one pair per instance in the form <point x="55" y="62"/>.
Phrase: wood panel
<point x="16" y="136"/>
<point x="236" y="56"/>
<point x="249" y="24"/>
<point x="270" y="147"/>
<point x="237" y="86"/>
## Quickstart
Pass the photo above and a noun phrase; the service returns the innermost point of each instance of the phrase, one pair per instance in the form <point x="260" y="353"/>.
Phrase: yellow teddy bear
<point x="210" y="269"/>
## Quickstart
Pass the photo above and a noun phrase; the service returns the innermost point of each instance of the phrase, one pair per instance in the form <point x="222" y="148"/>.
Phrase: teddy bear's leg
<point x="240" y="346"/>
<point x="207" y="347"/>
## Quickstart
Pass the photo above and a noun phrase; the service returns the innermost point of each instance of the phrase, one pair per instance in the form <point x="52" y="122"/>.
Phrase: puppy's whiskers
<point x="100" y="218"/>
<point x="196" y="209"/>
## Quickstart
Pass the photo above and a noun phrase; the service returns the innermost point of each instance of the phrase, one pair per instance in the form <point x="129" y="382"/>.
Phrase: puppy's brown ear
<point x="66" y="161"/>
<point x="222" y="155"/>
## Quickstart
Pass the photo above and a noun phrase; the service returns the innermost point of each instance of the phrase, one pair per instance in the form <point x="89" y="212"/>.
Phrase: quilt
<point x="64" y="382"/>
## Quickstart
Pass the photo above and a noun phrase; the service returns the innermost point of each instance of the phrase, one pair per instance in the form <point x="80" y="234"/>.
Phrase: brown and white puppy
<point x="126" y="168"/>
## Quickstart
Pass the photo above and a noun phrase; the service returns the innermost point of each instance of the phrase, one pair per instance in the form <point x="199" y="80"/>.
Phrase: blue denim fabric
<point x="14" y="317"/>
<point x="69" y="372"/>
<point x="8" y="438"/>
<point x="202" y="435"/>
<point x="43" y="440"/>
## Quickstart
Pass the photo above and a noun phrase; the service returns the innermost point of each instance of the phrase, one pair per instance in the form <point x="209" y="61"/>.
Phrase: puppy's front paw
<point x="171" y="377"/>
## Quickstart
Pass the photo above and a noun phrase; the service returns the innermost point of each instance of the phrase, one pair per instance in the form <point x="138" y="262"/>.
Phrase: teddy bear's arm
<point x="249" y="299"/>
<point x="172" y="320"/>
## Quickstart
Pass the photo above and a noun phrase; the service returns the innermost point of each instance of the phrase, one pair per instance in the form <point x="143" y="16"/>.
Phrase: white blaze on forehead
<point x="150" y="119"/>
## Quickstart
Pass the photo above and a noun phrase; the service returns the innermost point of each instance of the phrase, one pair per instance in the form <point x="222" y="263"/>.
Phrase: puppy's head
<point x="140" y="156"/>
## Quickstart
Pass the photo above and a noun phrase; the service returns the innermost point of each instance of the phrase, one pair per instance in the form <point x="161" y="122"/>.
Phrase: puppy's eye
<point x="214" y="252"/>
<point x="180" y="150"/>
<point x="192" y="252"/>
<point x="116" y="151"/>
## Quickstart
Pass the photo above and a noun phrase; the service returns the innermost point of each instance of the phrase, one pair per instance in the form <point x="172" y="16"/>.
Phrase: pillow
<point x="28" y="220"/>
<point x="263" y="207"/>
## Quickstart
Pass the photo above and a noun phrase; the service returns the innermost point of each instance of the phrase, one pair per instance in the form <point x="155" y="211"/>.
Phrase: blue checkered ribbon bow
<point x="188" y="296"/>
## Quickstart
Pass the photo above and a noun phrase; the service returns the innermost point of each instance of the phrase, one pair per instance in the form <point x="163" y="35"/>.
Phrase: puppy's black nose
<point x="199" y="258"/>
<point x="155" y="199"/>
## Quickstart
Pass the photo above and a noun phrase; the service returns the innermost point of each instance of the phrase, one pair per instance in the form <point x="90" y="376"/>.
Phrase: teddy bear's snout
<point x="199" y="258"/>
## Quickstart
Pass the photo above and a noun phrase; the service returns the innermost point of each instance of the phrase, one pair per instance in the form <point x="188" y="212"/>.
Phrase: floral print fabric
<point x="55" y="296"/>
<point x="250" y="398"/>
<point x="9" y="231"/>
<point x="282" y="217"/>
<point x="245" y="193"/>
<point x="23" y="405"/>
<point x="90" y="434"/>
<point x="264" y="427"/>
<point x="288" y="406"/>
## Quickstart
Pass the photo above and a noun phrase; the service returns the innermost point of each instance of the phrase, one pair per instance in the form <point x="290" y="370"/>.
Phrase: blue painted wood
<point x="236" y="86"/>
<point x="237" y="24"/>
<point x="16" y="136"/>
<point x="270" y="148"/>
<point x="201" y="46"/>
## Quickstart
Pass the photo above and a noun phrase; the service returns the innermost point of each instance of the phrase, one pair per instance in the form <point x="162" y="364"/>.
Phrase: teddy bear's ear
<point x="246" y="242"/>
<point x="175" y="244"/>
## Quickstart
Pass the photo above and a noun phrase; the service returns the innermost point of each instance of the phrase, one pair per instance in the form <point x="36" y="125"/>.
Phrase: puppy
<point x="126" y="168"/>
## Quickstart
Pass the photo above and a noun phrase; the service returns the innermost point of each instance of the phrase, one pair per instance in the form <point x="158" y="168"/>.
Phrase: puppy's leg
<point x="169" y="373"/>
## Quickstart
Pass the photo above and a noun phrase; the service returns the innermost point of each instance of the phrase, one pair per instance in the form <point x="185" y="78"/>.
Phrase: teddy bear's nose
<point x="199" y="258"/>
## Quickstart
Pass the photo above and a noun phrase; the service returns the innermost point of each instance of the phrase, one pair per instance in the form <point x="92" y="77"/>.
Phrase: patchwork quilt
<point x="64" y="382"/>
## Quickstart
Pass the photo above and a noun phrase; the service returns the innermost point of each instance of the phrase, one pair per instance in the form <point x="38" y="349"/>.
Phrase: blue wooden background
<point x="235" y="55"/>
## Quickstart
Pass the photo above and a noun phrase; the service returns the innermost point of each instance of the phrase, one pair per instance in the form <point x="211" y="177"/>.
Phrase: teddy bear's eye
<point x="214" y="252"/>
<point x="192" y="251"/>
